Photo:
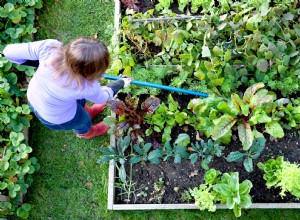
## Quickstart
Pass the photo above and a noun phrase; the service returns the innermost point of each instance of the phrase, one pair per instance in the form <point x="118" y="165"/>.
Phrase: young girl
<point x="65" y="78"/>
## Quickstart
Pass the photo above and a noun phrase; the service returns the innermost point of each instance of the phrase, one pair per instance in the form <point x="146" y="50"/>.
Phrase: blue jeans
<point x="80" y="124"/>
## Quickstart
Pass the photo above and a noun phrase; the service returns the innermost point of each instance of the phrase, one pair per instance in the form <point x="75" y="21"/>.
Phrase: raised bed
<point x="112" y="205"/>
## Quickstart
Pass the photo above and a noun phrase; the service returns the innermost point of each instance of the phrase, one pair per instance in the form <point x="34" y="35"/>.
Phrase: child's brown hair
<point x="83" y="58"/>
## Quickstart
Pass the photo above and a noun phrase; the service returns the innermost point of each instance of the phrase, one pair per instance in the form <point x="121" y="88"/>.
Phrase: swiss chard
<point x="216" y="117"/>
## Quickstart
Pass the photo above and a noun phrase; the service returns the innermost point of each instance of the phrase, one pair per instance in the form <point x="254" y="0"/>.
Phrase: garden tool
<point x="157" y="86"/>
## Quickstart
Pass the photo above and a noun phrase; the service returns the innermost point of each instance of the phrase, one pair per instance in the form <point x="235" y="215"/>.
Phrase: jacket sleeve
<point x="21" y="53"/>
<point x="96" y="93"/>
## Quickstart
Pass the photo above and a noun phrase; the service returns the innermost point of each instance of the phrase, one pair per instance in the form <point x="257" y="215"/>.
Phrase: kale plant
<point x="206" y="151"/>
<point x="143" y="154"/>
<point x="248" y="156"/>
<point x="178" y="150"/>
<point x="118" y="155"/>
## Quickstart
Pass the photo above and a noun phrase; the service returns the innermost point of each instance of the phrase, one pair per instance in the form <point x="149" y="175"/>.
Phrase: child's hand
<point x="127" y="80"/>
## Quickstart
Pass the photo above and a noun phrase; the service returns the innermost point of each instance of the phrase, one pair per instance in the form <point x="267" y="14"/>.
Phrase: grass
<point x="68" y="19"/>
<point x="70" y="185"/>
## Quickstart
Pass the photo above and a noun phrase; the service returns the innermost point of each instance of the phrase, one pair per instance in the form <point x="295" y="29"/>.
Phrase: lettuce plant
<point x="225" y="189"/>
<point x="287" y="111"/>
<point x="163" y="4"/>
<point x="182" y="4"/>
<point x="130" y="114"/>
<point x="234" y="194"/>
<point x="205" y="197"/>
<point x="165" y="118"/>
<point x="282" y="174"/>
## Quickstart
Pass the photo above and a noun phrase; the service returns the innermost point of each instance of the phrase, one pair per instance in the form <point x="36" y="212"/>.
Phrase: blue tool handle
<point x="157" y="86"/>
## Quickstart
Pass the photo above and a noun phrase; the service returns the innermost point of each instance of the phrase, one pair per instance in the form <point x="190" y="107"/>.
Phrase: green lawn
<point x="70" y="185"/>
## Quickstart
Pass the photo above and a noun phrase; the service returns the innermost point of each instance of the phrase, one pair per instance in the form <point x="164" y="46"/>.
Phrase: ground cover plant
<point x="245" y="55"/>
<point x="16" y="163"/>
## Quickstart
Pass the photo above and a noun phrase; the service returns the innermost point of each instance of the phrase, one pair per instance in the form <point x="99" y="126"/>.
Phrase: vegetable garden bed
<point x="241" y="139"/>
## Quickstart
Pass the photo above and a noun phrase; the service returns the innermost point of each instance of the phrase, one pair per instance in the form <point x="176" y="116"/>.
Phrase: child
<point x="65" y="78"/>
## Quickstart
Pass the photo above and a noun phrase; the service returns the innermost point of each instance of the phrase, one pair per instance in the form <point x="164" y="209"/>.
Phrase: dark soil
<point x="179" y="177"/>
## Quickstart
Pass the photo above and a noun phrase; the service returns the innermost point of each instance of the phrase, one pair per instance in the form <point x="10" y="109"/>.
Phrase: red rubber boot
<point x="95" y="109"/>
<point x="95" y="131"/>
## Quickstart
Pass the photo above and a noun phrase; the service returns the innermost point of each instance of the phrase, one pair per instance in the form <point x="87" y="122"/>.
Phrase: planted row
<point x="144" y="153"/>
<point x="256" y="112"/>
<point x="16" y="165"/>
<point x="220" y="53"/>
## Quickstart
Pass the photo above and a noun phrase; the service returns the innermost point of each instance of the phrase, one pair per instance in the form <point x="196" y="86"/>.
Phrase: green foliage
<point x="16" y="167"/>
<point x="153" y="74"/>
<point x="206" y="151"/>
<point x="234" y="194"/>
<point x="163" y="4"/>
<point x="288" y="113"/>
<point x="182" y="4"/>
<point x="117" y="153"/>
<point x="179" y="149"/>
<point x="282" y="174"/>
<point x="144" y="154"/>
<point x="225" y="189"/>
<point x="204" y="198"/>
<point x="248" y="156"/>
<point x="216" y="117"/>
<point x="239" y="43"/>
<point x="165" y="118"/>
<point x="186" y="196"/>
<point x="205" y="4"/>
